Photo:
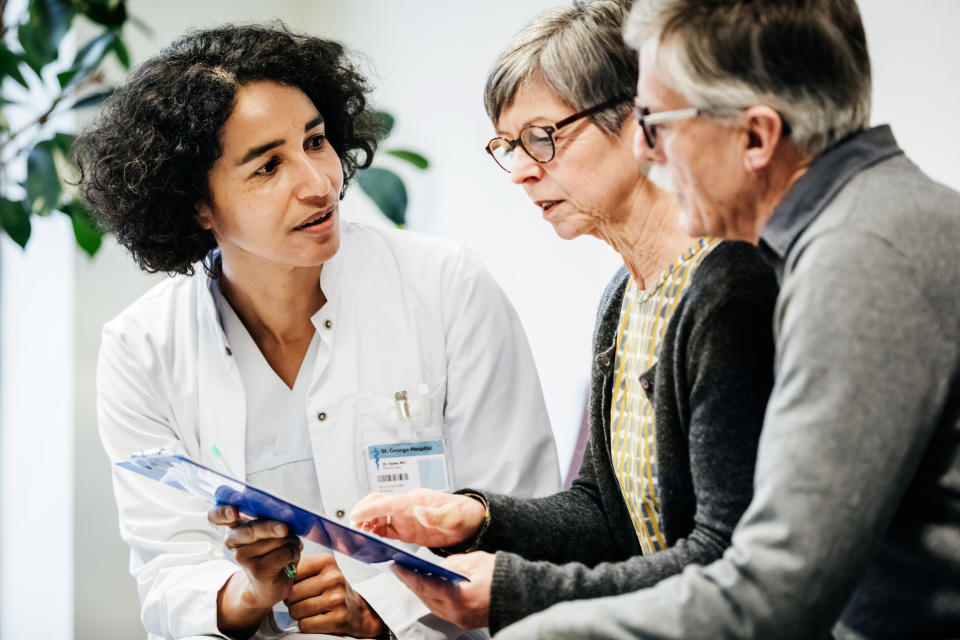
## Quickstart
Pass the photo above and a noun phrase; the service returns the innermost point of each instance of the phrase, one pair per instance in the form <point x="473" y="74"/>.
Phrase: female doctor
<point x="295" y="344"/>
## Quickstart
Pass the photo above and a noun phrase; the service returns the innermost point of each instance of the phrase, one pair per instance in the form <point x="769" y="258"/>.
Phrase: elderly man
<point x="758" y="111"/>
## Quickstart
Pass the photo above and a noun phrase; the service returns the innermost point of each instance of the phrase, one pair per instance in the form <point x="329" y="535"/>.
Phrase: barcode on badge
<point x="393" y="477"/>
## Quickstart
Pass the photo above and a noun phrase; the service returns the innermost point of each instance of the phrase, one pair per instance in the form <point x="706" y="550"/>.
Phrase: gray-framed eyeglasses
<point x="537" y="140"/>
<point x="648" y="121"/>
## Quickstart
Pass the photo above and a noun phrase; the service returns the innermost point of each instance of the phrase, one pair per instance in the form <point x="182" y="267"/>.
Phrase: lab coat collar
<point x="334" y="266"/>
<point x="222" y="410"/>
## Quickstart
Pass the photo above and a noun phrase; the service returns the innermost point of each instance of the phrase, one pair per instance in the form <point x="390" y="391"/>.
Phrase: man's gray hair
<point x="578" y="53"/>
<point x="805" y="58"/>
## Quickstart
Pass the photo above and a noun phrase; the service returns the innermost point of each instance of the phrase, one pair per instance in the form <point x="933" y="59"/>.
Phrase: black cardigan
<point x="710" y="389"/>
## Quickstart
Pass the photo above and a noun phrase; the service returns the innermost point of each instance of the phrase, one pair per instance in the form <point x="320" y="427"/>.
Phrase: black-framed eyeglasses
<point x="537" y="140"/>
<point x="648" y="121"/>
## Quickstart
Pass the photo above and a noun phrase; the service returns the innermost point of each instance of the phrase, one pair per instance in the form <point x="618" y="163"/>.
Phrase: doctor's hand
<point x="425" y="517"/>
<point x="262" y="548"/>
<point x="322" y="601"/>
<point x="466" y="604"/>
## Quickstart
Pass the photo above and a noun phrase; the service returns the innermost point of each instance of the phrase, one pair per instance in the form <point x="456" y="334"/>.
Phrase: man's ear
<point x="764" y="133"/>
<point x="204" y="216"/>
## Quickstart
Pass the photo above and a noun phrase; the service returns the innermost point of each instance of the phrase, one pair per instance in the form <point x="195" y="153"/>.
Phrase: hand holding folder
<point x="184" y="474"/>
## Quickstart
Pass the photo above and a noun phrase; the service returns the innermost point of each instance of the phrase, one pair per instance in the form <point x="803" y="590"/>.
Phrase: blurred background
<point x="63" y="567"/>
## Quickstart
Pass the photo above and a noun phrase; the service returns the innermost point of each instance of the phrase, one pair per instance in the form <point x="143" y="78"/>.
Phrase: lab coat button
<point x="322" y="416"/>
<point x="341" y="513"/>
<point x="229" y="352"/>
<point x="328" y="324"/>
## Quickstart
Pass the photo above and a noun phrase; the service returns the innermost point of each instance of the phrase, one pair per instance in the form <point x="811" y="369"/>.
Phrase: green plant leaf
<point x="40" y="35"/>
<point x="386" y="124"/>
<point x="35" y="53"/>
<point x="15" y="220"/>
<point x="64" y="77"/>
<point x="88" y="58"/>
<point x="120" y="50"/>
<point x="109" y="13"/>
<point x="412" y="157"/>
<point x="62" y="142"/>
<point x="43" y="183"/>
<point x="10" y="66"/>
<point x="92" y="100"/>
<point x="54" y="16"/>
<point x="386" y="189"/>
<point x="85" y="229"/>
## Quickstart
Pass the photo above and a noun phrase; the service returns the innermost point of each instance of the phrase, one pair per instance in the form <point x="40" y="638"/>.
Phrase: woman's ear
<point x="204" y="217"/>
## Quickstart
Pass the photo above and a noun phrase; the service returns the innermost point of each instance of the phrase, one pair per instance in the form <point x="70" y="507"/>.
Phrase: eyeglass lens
<point x="536" y="141"/>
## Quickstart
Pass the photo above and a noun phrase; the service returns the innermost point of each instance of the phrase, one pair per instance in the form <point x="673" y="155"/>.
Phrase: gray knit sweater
<point x="709" y="390"/>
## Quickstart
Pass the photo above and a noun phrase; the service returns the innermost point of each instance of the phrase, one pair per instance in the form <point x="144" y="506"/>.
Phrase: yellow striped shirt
<point x="643" y="319"/>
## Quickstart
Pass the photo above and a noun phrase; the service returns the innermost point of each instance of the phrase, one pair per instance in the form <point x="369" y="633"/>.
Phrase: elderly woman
<point x="288" y="342"/>
<point x="682" y="355"/>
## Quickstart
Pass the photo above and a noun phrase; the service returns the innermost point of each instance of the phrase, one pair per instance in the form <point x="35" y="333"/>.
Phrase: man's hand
<point x="322" y="601"/>
<point x="466" y="604"/>
<point x="425" y="517"/>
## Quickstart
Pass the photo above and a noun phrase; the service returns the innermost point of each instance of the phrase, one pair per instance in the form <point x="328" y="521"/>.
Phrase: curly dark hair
<point x="144" y="163"/>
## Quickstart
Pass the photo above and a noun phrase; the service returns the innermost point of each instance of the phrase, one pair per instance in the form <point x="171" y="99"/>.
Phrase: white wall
<point x="430" y="58"/>
<point x="36" y="434"/>
<point x="914" y="50"/>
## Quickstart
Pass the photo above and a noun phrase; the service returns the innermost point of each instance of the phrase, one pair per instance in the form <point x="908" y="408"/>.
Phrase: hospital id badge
<point x="394" y="467"/>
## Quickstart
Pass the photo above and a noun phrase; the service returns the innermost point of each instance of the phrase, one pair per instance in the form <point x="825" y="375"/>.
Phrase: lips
<point x="318" y="218"/>
<point x="547" y="205"/>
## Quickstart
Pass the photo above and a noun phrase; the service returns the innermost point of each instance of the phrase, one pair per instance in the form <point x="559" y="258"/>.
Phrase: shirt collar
<point x="827" y="174"/>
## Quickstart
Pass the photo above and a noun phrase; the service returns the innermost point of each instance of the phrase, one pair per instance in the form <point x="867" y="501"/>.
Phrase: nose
<point x="315" y="177"/>
<point x="643" y="152"/>
<point x="524" y="167"/>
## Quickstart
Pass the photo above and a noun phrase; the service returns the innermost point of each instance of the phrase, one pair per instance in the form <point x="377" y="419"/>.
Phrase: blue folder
<point x="214" y="487"/>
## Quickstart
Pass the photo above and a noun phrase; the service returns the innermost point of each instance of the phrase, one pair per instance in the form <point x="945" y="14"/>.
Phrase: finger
<point x="373" y="508"/>
<point x="467" y="563"/>
<point x="316" y="585"/>
<point x="324" y="602"/>
<point x="421" y="585"/>
<point x="270" y="566"/>
<point x="313" y="564"/>
<point x="254" y="531"/>
<point x="333" y="622"/>
<point x="247" y="553"/>
<point x="223" y="514"/>
<point x="439" y="597"/>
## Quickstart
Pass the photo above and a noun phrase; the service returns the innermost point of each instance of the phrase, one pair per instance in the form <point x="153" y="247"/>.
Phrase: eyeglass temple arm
<point x="667" y="116"/>
<point x="592" y="110"/>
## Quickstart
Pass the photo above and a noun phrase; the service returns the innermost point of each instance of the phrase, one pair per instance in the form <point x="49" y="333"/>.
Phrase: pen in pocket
<point x="425" y="408"/>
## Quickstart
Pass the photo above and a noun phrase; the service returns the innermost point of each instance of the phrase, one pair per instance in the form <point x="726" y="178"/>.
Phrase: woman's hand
<point x="262" y="548"/>
<point x="322" y="601"/>
<point x="425" y="517"/>
<point x="466" y="604"/>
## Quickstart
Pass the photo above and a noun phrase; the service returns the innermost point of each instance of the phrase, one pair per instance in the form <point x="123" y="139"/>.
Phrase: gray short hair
<point x="805" y="58"/>
<point x="577" y="52"/>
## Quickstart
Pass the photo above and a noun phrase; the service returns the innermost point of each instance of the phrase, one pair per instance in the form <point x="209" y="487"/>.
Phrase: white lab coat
<point x="402" y="309"/>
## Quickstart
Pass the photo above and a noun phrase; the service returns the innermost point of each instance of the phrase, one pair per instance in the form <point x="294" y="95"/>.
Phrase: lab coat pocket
<point x="402" y="442"/>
